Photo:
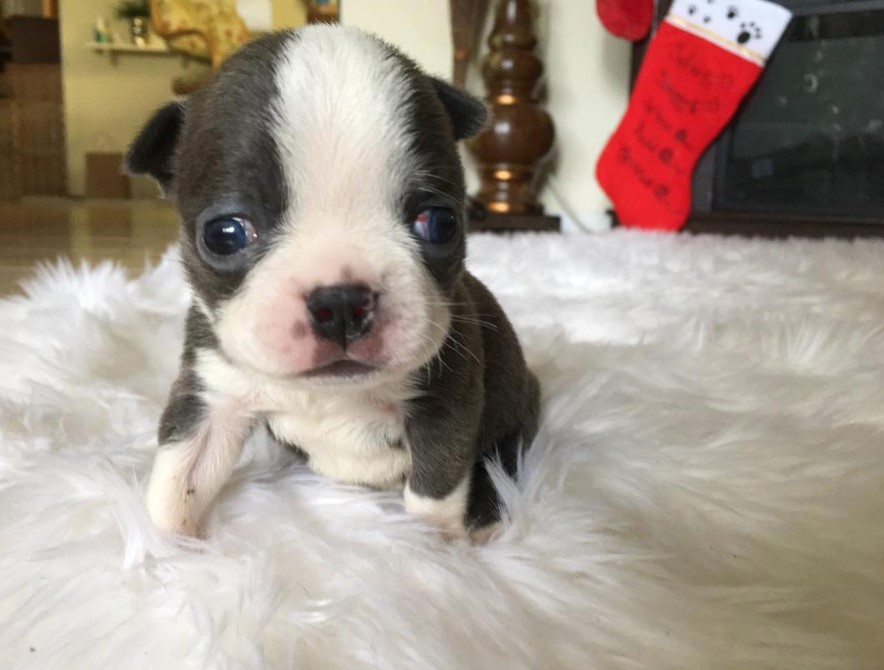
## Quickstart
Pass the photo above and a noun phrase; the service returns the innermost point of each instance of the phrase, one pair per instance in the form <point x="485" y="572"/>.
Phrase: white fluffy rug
<point x="706" y="492"/>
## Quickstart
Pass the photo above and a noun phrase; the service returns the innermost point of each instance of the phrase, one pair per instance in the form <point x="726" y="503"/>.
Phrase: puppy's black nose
<point x="341" y="313"/>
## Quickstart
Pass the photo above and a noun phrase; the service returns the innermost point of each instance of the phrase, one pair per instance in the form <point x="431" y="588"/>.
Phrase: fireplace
<point x="805" y="153"/>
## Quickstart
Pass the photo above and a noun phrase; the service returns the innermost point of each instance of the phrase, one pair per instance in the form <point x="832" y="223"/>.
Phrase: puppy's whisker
<point x="474" y="322"/>
<point x="465" y="350"/>
<point x="425" y="180"/>
<point x="458" y="304"/>
<point x="429" y="347"/>
<point x="457" y="347"/>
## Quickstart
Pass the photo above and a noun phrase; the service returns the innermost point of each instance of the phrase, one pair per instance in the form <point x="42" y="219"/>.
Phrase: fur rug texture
<point x="706" y="491"/>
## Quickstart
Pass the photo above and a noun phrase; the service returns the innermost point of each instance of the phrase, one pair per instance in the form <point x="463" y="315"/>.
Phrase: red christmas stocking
<point x="703" y="60"/>
<point x="629" y="19"/>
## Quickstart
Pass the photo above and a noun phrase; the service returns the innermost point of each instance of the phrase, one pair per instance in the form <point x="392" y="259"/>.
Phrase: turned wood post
<point x="467" y="19"/>
<point x="512" y="151"/>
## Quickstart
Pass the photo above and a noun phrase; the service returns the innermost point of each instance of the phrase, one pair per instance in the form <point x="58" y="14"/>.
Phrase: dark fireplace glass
<point x="810" y="140"/>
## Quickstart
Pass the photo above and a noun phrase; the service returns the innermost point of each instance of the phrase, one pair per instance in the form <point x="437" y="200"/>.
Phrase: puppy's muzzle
<point x="342" y="313"/>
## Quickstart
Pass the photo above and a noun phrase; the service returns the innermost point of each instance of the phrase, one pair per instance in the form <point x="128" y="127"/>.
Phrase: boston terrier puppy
<point x="322" y="207"/>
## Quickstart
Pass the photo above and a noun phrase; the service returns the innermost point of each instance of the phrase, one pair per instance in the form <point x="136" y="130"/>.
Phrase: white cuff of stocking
<point x="748" y="28"/>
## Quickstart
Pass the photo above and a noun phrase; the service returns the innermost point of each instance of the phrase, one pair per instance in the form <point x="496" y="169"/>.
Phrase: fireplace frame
<point x="705" y="217"/>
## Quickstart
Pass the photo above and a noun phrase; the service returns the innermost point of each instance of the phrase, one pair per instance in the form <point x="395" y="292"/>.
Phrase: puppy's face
<point x="322" y="204"/>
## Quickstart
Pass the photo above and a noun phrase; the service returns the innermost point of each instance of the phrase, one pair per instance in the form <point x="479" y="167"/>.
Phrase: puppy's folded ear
<point x="468" y="114"/>
<point x="151" y="152"/>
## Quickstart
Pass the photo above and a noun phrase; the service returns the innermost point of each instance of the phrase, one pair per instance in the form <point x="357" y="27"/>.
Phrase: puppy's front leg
<point x="442" y="445"/>
<point x="200" y="442"/>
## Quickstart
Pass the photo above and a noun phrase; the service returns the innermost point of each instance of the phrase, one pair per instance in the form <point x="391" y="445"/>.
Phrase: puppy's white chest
<point x="353" y="439"/>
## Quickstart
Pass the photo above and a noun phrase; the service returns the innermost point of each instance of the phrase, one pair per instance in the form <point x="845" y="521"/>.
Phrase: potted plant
<point x="137" y="13"/>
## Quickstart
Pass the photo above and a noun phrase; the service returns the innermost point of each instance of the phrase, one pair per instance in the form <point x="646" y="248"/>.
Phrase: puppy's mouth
<point x="340" y="369"/>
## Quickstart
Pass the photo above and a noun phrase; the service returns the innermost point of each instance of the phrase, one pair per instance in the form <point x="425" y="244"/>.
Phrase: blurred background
<point x="79" y="77"/>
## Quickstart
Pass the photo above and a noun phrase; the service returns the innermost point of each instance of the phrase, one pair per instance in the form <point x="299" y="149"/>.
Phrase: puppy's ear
<point x="468" y="114"/>
<point x="151" y="152"/>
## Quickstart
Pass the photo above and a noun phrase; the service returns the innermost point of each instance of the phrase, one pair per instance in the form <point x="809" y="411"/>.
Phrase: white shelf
<point x="117" y="48"/>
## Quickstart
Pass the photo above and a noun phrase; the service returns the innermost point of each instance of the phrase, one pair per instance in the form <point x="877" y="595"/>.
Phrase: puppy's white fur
<point x="347" y="432"/>
<point x="187" y="475"/>
<point x="446" y="513"/>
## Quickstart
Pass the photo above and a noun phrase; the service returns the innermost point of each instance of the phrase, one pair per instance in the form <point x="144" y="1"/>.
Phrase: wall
<point x="587" y="82"/>
<point x="106" y="103"/>
<point x="287" y="13"/>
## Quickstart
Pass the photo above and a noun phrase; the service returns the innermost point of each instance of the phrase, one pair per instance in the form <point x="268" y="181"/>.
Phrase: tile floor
<point x="38" y="230"/>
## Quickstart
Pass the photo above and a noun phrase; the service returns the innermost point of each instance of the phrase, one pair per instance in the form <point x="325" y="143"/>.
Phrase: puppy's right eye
<point x="226" y="235"/>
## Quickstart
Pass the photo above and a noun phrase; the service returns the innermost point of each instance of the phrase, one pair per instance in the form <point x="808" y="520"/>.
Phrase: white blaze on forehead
<point x="341" y="124"/>
<point x="341" y="127"/>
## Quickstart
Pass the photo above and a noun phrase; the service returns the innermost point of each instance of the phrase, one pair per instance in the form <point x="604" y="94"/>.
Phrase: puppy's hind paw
<point x="485" y="534"/>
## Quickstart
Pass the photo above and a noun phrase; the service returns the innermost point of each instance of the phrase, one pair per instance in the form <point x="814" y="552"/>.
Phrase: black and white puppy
<point x="322" y="206"/>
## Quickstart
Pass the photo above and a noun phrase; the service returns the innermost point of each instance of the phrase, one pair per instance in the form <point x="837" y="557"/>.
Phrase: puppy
<point x="322" y="206"/>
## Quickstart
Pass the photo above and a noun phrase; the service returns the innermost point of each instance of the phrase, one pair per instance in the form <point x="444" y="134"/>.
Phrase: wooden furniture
<point x="512" y="152"/>
<point x="32" y="137"/>
<point x="10" y="171"/>
<point x="467" y="20"/>
<point x="34" y="39"/>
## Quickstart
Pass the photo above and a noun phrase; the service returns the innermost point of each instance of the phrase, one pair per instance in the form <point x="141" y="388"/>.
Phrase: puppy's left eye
<point x="732" y="12"/>
<point x="436" y="225"/>
<point x="228" y="234"/>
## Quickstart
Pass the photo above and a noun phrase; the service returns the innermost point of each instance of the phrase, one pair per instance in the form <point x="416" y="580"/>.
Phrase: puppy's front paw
<point x="446" y="513"/>
<point x="171" y="515"/>
<point x="170" y="500"/>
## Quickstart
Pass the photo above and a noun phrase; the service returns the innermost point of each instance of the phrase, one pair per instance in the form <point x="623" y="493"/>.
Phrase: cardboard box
<point x="104" y="176"/>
